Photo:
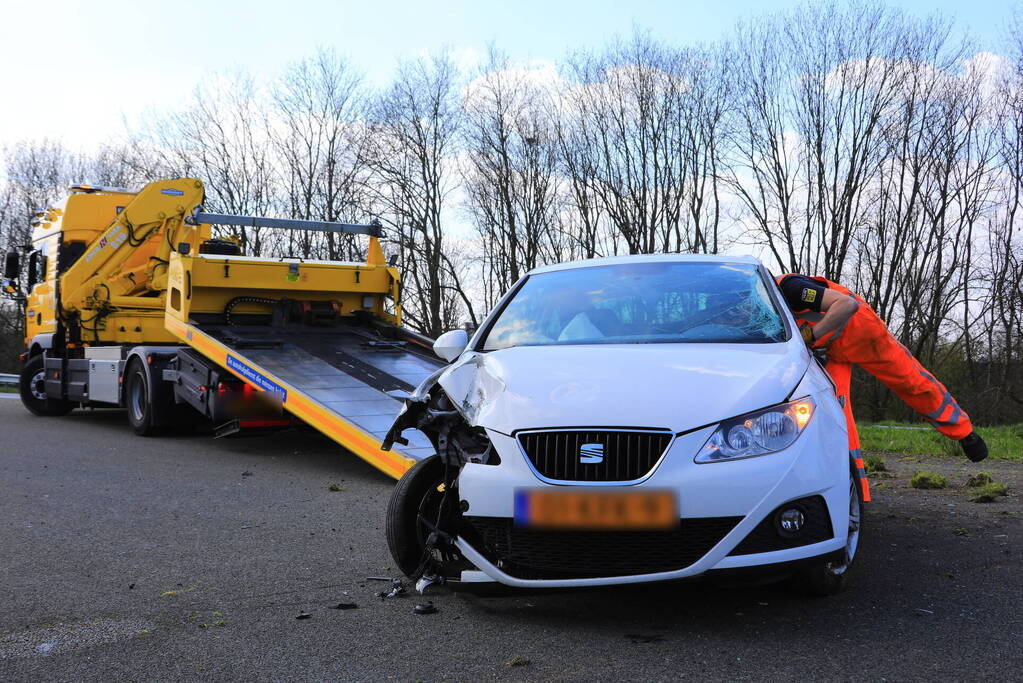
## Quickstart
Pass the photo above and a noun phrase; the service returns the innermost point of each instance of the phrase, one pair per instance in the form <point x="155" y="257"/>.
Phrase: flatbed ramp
<point x="335" y="379"/>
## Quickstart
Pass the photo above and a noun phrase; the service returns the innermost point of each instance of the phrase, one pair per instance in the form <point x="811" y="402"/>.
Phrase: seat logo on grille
<point x="591" y="453"/>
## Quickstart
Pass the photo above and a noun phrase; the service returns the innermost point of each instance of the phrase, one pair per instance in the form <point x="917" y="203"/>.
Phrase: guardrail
<point x="8" y="379"/>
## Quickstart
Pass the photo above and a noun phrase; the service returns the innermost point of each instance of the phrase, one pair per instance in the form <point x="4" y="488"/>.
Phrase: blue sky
<point x="73" y="70"/>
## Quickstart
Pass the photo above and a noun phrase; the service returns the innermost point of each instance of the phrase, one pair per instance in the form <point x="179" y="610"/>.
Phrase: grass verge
<point x="1005" y="442"/>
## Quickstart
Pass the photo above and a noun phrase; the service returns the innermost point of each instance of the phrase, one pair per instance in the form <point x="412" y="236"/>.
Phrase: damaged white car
<point x="629" y="419"/>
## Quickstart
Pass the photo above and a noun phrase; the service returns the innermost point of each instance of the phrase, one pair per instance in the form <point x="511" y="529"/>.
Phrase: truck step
<point x="253" y="426"/>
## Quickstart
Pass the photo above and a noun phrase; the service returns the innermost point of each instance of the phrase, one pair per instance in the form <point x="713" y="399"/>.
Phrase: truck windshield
<point x="636" y="303"/>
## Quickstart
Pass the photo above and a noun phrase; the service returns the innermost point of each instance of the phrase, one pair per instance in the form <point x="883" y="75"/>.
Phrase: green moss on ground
<point x="989" y="493"/>
<point x="875" y="464"/>
<point x="925" y="479"/>
<point x="979" y="479"/>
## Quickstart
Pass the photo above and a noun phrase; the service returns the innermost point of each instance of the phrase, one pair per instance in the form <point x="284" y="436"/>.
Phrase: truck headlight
<point x="758" y="433"/>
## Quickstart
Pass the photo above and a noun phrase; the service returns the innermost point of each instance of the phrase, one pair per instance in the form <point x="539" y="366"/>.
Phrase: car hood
<point x="667" y="386"/>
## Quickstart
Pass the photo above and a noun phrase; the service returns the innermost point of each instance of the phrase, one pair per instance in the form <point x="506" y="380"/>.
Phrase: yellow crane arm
<point x="157" y="211"/>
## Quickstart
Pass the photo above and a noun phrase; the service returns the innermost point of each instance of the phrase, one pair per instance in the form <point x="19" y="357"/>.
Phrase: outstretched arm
<point x="837" y="309"/>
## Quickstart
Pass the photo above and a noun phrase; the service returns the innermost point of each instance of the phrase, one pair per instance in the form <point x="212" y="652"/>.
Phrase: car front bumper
<point x="749" y="490"/>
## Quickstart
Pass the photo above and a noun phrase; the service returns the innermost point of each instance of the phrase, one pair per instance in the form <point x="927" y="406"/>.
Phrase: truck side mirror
<point x="12" y="265"/>
<point x="450" y="345"/>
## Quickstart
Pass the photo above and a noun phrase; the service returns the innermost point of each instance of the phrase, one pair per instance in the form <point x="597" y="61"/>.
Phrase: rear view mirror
<point x="450" y="345"/>
<point x="12" y="265"/>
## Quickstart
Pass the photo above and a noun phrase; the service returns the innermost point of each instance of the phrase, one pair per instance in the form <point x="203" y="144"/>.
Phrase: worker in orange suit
<point x="832" y="318"/>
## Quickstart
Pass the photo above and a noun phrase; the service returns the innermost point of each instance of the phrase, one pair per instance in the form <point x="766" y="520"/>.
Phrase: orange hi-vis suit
<point x="864" y="340"/>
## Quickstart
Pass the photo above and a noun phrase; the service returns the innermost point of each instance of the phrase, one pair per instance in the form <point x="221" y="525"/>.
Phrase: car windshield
<point x="636" y="303"/>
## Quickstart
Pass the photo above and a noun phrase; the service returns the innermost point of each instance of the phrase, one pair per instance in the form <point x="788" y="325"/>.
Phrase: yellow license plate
<point x="595" y="509"/>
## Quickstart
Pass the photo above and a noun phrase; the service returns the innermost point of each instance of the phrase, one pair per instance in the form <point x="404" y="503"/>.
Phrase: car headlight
<point x="758" y="433"/>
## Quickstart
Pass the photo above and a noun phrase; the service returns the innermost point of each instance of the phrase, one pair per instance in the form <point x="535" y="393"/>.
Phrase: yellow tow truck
<point x="130" y="302"/>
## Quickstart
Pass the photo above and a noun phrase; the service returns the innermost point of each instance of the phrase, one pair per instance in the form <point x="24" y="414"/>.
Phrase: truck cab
<point x="60" y="235"/>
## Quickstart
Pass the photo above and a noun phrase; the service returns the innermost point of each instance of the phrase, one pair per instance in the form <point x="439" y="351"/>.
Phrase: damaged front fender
<point x="430" y="410"/>
<point x="413" y="410"/>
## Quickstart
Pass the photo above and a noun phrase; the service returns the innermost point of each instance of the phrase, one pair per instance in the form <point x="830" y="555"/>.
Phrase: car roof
<point x="647" y="258"/>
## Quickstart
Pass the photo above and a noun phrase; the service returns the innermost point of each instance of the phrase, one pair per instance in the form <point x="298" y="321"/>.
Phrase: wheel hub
<point x="37" y="386"/>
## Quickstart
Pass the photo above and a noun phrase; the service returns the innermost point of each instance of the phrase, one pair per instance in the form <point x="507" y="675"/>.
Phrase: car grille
<point x="626" y="454"/>
<point x="541" y="554"/>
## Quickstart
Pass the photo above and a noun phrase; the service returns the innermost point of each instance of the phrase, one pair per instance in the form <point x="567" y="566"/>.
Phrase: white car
<point x="629" y="419"/>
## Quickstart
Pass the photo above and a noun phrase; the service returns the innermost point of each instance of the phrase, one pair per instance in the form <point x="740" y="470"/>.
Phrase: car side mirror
<point x="12" y="265"/>
<point x="450" y="345"/>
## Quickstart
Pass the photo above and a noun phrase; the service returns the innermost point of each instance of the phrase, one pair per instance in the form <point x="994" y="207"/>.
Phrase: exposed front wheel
<point x="412" y="514"/>
<point x="828" y="578"/>
<point x="32" y="387"/>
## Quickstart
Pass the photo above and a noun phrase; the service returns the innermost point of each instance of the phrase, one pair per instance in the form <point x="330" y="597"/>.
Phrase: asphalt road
<point x="188" y="558"/>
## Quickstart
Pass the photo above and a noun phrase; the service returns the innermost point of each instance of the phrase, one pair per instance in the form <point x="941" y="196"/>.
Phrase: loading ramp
<point x="334" y="379"/>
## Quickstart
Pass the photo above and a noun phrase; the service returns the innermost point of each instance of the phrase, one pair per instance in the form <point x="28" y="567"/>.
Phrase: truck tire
<point x="32" y="387"/>
<point x="138" y="399"/>
<point x="415" y="494"/>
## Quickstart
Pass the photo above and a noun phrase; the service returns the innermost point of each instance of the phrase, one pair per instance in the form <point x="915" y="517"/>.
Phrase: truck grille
<point x="612" y="455"/>
<point x="534" y="553"/>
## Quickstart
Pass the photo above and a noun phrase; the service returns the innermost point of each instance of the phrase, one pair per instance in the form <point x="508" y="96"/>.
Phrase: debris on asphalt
<point x="425" y="608"/>
<point x="379" y="578"/>
<point x="346" y="605"/>
<point x="397" y="589"/>
<point x="921" y="611"/>
<point x="426" y="581"/>
<point x="639" y="638"/>
<point x="131" y="586"/>
<point x="246" y="473"/>
<point x="518" y="661"/>
<point x="304" y="615"/>
<point x="44" y="648"/>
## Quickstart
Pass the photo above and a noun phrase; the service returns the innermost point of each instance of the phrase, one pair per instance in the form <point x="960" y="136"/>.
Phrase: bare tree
<point x="317" y="134"/>
<point x="510" y="176"/>
<point x="221" y="136"/>
<point x="413" y="134"/>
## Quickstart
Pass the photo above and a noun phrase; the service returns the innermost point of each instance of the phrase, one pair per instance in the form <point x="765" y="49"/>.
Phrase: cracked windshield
<point x="640" y="303"/>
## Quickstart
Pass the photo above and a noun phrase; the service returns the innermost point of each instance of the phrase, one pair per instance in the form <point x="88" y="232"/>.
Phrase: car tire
<point x="828" y="578"/>
<point x="415" y="493"/>
<point x="139" y="399"/>
<point x="32" y="387"/>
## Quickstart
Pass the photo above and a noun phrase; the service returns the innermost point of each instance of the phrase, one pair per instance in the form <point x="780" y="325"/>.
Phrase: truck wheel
<point x="828" y="578"/>
<point x="137" y="399"/>
<point x="415" y="497"/>
<point x="32" y="387"/>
